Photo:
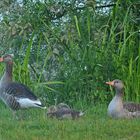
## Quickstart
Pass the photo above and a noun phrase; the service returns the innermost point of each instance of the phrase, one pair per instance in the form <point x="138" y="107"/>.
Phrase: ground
<point x="94" y="125"/>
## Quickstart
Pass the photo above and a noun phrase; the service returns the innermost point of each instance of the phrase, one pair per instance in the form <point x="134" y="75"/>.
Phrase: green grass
<point x="94" y="125"/>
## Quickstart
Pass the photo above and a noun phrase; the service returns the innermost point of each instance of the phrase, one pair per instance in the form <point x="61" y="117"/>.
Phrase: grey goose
<point x="16" y="95"/>
<point x="63" y="111"/>
<point x="119" y="109"/>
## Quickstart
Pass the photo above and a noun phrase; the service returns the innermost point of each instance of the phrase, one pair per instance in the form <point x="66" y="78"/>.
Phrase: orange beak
<point x="111" y="83"/>
<point x="1" y="59"/>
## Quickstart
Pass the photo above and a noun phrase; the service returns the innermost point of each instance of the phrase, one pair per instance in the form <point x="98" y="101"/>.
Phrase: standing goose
<point x="118" y="109"/>
<point x="15" y="95"/>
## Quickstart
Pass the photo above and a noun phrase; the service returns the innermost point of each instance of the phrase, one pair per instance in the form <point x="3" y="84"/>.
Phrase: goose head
<point x="117" y="84"/>
<point x="7" y="58"/>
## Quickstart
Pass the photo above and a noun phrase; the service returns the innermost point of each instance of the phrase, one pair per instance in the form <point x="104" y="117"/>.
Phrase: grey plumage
<point x="19" y="90"/>
<point x="63" y="111"/>
<point x="15" y="95"/>
<point x="12" y="92"/>
<point x="132" y="107"/>
<point x="9" y="100"/>
<point x="118" y="109"/>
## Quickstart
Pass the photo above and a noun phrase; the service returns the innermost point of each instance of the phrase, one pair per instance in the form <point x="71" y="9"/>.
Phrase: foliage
<point x="77" y="45"/>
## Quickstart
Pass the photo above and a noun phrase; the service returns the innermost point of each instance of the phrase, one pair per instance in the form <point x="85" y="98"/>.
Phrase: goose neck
<point x="7" y="77"/>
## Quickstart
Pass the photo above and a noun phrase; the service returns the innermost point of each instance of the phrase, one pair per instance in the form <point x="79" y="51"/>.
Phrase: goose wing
<point x="19" y="91"/>
<point x="132" y="107"/>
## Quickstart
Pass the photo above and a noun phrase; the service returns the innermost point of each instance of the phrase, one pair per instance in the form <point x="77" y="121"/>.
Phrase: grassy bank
<point x="94" y="125"/>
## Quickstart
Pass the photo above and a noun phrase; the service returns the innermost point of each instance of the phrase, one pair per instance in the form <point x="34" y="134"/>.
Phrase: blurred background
<point x="65" y="50"/>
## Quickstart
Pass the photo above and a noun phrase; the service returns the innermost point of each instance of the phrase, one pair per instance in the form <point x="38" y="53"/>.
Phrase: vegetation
<point x="65" y="51"/>
<point x="70" y="49"/>
<point x="94" y="125"/>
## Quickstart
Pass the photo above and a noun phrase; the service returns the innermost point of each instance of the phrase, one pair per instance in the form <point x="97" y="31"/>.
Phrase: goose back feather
<point x="16" y="96"/>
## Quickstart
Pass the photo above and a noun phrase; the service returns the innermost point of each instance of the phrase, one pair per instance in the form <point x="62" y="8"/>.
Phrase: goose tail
<point x="81" y="113"/>
<point x="26" y="103"/>
<point x="40" y="106"/>
<point x="136" y="114"/>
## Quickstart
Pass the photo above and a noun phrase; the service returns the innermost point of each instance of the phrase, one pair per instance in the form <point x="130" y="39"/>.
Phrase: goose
<point x="118" y="109"/>
<point x="16" y="95"/>
<point x="63" y="111"/>
<point x="63" y="106"/>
